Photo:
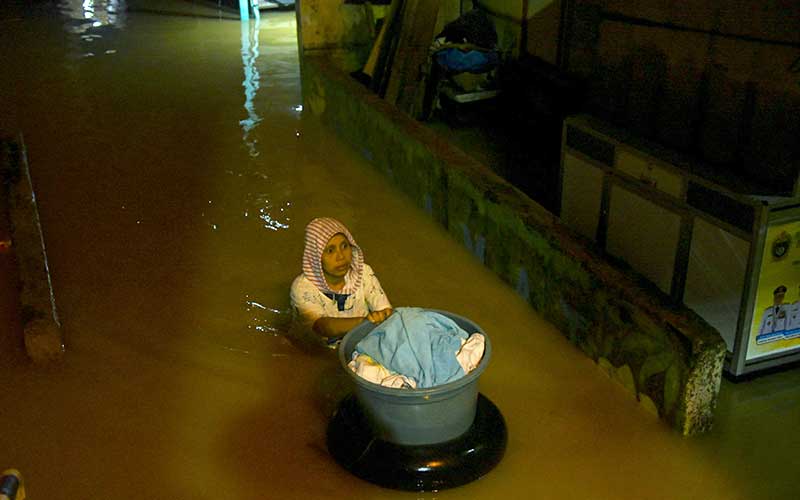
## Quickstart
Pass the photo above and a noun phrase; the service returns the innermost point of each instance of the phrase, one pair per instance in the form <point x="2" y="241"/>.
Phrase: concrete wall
<point x="543" y="18"/>
<point x="543" y="31"/>
<point x="340" y="31"/>
<point x="668" y="357"/>
<point x="344" y="32"/>
<point x="717" y="79"/>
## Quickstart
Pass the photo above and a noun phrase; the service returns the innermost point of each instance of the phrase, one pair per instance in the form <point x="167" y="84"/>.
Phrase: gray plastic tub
<point x="417" y="416"/>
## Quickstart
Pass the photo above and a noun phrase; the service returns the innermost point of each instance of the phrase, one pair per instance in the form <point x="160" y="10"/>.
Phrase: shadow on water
<point x="279" y="444"/>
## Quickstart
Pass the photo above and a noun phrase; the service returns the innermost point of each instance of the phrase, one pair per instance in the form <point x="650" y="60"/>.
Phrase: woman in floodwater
<point x="337" y="290"/>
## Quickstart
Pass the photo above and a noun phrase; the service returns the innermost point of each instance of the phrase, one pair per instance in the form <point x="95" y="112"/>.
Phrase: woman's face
<point x="336" y="257"/>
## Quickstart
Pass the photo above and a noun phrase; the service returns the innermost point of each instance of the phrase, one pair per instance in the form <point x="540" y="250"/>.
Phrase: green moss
<point x="624" y="376"/>
<point x="654" y="388"/>
<point x="657" y="363"/>
<point x="672" y="387"/>
<point x="460" y="185"/>
<point x="614" y="316"/>
<point x="532" y="238"/>
<point x="589" y="346"/>
<point x="642" y="345"/>
<point x="647" y="404"/>
<point x="538" y="285"/>
<point x="570" y="271"/>
<point x="608" y="343"/>
<point x="606" y="366"/>
<point x="649" y="327"/>
<point x="500" y="257"/>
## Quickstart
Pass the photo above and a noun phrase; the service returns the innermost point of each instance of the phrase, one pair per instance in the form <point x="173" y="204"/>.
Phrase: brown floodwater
<point x="175" y="169"/>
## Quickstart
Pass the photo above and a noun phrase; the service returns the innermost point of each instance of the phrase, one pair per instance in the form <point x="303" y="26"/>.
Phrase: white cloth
<point x="468" y="356"/>
<point x="471" y="352"/>
<point x="372" y="371"/>
<point x="309" y="303"/>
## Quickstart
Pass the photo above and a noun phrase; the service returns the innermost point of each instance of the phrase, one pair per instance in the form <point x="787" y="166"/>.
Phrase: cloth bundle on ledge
<point x="416" y="348"/>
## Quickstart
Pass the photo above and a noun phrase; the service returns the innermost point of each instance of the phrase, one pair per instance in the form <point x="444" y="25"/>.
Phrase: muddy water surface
<point x="175" y="169"/>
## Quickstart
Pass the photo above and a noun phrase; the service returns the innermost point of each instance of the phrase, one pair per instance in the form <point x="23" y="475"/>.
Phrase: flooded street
<point x="175" y="169"/>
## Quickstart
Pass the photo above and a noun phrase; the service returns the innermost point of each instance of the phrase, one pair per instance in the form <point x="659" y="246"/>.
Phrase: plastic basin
<point x="417" y="416"/>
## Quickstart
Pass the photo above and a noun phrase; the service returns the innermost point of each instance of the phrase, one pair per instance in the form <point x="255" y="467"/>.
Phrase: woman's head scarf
<point x="318" y="232"/>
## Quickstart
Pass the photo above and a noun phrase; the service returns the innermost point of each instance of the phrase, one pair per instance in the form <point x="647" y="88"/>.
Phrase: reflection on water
<point x="89" y="19"/>
<point x="250" y="34"/>
<point x="273" y="215"/>
<point x="269" y="222"/>
<point x="86" y="14"/>
<point x="266" y="319"/>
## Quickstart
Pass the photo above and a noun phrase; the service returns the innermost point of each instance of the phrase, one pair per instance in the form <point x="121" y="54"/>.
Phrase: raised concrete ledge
<point x="665" y="355"/>
<point x="42" y="330"/>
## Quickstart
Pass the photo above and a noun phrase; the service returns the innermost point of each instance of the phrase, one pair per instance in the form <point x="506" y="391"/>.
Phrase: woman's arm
<point x="338" y="327"/>
<point x="378" y="316"/>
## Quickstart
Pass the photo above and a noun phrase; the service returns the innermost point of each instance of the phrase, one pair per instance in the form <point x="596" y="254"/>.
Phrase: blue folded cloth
<point x="417" y="343"/>
<point x="460" y="61"/>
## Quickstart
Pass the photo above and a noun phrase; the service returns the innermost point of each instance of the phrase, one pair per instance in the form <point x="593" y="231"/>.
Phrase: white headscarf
<point x="318" y="233"/>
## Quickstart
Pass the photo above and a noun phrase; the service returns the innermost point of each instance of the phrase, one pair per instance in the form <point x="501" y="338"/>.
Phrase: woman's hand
<point x="336" y="327"/>
<point x="378" y="316"/>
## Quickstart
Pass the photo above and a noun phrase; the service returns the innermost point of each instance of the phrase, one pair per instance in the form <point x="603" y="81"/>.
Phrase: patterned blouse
<point x="309" y="303"/>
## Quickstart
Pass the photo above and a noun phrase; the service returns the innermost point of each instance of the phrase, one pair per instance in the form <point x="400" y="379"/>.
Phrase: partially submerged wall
<point x="42" y="330"/>
<point x="666" y="355"/>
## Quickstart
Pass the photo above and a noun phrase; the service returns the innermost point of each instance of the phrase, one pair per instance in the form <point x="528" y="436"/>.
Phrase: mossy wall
<point x="667" y="356"/>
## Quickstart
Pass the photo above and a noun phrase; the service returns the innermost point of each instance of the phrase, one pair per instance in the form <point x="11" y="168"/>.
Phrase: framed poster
<point x="776" y="314"/>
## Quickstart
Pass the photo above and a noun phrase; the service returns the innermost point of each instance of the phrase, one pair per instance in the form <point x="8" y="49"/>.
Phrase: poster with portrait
<point x="776" y="317"/>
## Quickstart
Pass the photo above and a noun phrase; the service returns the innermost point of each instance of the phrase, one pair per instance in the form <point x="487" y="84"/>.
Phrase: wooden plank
<point x="386" y="52"/>
<point x="405" y="82"/>
<point x="372" y="60"/>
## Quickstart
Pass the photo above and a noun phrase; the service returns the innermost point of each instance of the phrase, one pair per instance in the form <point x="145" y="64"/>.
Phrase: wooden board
<point x="416" y="36"/>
